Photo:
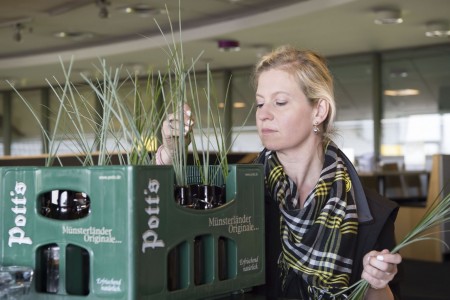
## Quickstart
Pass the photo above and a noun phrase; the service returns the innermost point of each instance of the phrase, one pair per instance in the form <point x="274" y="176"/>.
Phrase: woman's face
<point x="284" y="116"/>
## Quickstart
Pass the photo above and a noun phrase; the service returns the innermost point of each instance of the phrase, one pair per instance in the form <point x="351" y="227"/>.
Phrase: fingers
<point x="173" y="125"/>
<point x="380" y="268"/>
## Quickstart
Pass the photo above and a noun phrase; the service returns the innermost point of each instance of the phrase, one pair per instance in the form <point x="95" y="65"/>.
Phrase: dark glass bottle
<point x="173" y="269"/>
<point x="199" y="261"/>
<point x="77" y="270"/>
<point x="47" y="274"/>
<point x="222" y="258"/>
<point x="64" y="204"/>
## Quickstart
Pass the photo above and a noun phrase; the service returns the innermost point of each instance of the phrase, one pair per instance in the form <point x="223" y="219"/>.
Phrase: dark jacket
<point x="376" y="216"/>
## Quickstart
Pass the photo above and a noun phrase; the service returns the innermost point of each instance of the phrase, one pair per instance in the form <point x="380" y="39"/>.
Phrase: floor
<point x="425" y="280"/>
<point x="420" y="280"/>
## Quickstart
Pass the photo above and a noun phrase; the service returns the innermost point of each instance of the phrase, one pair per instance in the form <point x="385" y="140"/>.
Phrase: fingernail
<point x="380" y="257"/>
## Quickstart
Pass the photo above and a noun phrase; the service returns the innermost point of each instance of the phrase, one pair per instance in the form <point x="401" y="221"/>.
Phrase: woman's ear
<point x="321" y="110"/>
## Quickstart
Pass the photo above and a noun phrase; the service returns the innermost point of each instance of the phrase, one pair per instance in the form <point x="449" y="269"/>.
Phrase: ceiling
<point x="331" y="27"/>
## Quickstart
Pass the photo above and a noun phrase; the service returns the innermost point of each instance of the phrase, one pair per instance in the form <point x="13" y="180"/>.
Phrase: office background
<point x="392" y="80"/>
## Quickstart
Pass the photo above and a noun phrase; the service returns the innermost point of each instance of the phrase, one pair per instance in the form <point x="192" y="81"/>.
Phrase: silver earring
<point x="316" y="129"/>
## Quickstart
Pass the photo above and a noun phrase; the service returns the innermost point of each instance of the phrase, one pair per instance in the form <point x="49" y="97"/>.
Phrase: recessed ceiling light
<point x="398" y="73"/>
<point x="235" y="105"/>
<point x="401" y="92"/>
<point x="142" y="10"/>
<point x="74" y="35"/>
<point x="239" y="105"/>
<point x="437" y="29"/>
<point x="388" y="16"/>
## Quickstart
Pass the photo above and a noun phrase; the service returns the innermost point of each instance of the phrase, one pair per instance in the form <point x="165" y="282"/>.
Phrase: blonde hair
<point x="310" y="70"/>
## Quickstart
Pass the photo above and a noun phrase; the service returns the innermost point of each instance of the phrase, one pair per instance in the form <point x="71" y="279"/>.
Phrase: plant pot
<point x="183" y="195"/>
<point x="207" y="196"/>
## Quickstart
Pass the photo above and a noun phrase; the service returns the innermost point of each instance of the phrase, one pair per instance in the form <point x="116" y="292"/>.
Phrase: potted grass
<point x="210" y="192"/>
<point x="206" y="194"/>
<point x="115" y="130"/>
<point x="97" y="212"/>
<point x="131" y="205"/>
<point x="174" y="95"/>
<point x="122" y="131"/>
<point x="179" y="87"/>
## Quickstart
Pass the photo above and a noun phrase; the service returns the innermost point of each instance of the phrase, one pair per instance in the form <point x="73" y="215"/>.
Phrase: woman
<point x="323" y="231"/>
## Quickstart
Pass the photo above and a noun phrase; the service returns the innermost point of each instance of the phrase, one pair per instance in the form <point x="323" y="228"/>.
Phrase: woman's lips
<point x="267" y="131"/>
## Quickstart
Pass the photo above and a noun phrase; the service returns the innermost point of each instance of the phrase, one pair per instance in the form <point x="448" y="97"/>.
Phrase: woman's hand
<point x="169" y="131"/>
<point x="379" y="269"/>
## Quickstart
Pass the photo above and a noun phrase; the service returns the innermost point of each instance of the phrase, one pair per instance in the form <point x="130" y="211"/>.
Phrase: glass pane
<point x="416" y="88"/>
<point x="26" y="131"/>
<point x="245" y="138"/>
<point x="354" y="108"/>
<point x="243" y="99"/>
<point x="1" y="127"/>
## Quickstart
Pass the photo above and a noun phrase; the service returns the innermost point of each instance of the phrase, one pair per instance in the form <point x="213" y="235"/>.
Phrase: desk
<point x="409" y="216"/>
<point x="404" y="185"/>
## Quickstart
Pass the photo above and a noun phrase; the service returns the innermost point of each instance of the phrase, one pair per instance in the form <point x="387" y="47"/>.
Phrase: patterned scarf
<point x="319" y="240"/>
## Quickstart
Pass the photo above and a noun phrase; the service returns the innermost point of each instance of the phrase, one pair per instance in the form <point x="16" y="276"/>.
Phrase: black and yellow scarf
<point x="319" y="240"/>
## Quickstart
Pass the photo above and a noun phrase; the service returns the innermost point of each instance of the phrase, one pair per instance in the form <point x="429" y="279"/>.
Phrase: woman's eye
<point x="280" y="103"/>
<point x="259" y="105"/>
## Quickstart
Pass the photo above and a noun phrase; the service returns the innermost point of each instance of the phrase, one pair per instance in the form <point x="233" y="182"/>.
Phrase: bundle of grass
<point x="435" y="216"/>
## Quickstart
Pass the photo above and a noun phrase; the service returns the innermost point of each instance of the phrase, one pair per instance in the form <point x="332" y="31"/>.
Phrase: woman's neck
<point x="303" y="168"/>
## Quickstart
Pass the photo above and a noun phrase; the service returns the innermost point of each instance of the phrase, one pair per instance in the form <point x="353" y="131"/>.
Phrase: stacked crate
<point x="135" y="241"/>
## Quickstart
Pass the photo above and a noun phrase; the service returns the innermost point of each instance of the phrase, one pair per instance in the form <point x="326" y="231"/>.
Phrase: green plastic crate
<point x="135" y="237"/>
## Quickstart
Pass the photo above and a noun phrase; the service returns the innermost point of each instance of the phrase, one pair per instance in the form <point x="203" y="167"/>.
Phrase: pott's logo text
<point x="150" y="236"/>
<point x="17" y="233"/>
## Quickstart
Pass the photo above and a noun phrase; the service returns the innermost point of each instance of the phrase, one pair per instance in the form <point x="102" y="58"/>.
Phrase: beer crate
<point x="132" y="240"/>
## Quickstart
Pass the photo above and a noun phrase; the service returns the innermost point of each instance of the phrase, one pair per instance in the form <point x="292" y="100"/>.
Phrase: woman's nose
<point x="264" y="113"/>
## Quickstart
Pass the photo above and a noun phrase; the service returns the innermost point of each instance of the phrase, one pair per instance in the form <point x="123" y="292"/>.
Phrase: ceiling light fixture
<point x="17" y="35"/>
<point x="437" y="29"/>
<point x="18" y="25"/>
<point x="401" y="92"/>
<point x="19" y="29"/>
<point x="74" y="35"/>
<point x="142" y="10"/>
<point x="103" y="6"/>
<point x="398" y="73"/>
<point x="237" y="104"/>
<point x="387" y="16"/>
<point x="228" y="45"/>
